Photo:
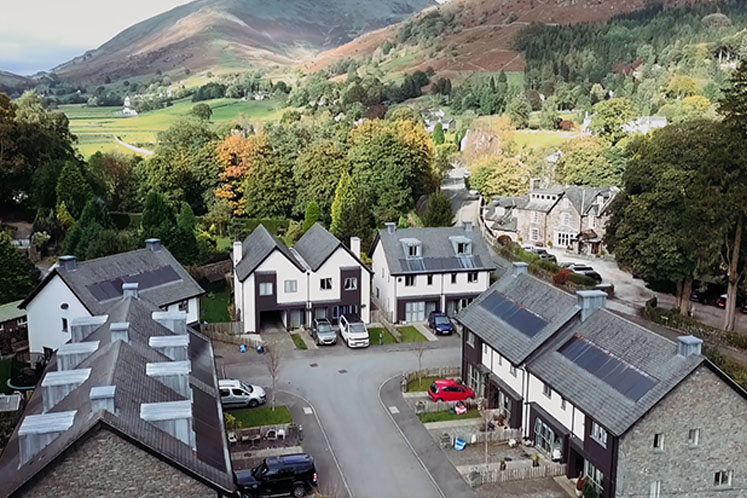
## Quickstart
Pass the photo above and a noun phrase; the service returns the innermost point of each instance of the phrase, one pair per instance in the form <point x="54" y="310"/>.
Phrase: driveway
<point x="465" y="206"/>
<point x="342" y="389"/>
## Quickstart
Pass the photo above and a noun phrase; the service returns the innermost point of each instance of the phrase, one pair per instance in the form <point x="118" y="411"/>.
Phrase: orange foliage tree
<point x="237" y="156"/>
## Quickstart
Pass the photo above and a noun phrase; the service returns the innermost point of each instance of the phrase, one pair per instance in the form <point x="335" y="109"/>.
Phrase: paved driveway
<point x="342" y="387"/>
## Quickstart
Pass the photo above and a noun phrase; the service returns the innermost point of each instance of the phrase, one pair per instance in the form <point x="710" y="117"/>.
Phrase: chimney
<point x="120" y="331"/>
<point x="82" y="327"/>
<point x="102" y="398"/>
<point x="175" y="321"/>
<point x="69" y="263"/>
<point x="355" y="246"/>
<point x="129" y="289"/>
<point x="39" y="431"/>
<point x="238" y="252"/>
<point x="519" y="268"/>
<point x="153" y="244"/>
<point x="172" y="417"/>
<point x="57" y="385"/>
<point x="391" y="227"/>
<point x="173" y="374"/>
<point x="589" y="301"/>
<point x="72" y="354"/>
<point x="175" y="347"/>
<point x="468" y="226"/>
<point x="688" y="345"/>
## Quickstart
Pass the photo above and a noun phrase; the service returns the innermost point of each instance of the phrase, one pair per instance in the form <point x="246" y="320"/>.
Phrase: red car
<point x="450" y="390"/>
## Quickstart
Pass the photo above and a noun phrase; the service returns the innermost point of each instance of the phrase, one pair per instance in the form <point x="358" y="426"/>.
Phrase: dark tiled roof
<point x="583" y="198"/>
<point x="316" y="245"/>
<point x="256" y="247"/>
<point x="436" y="247"/>
<point x="554" y="306"/>
<point x="124" y="365"/>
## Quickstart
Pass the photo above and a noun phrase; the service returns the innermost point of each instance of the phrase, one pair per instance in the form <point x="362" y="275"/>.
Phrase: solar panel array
<point x="112" y="288"/>
<point x="518" y="317"/>
<point x="441" y="264"/>
<point x="621" y="376"/>
<point x="206" y="420"/>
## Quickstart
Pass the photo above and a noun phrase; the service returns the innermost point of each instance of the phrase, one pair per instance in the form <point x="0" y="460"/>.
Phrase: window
<point x="472" y="277"/>
<point x="535" y="217"/>
<point x="463" y="248"/>
<point x="562" y="404"/>
<point x="659" y="441"/>
<point x="595" y="476"/>
<point x="291" y="286"/>
<point x="655" y="490"/>
<point x="325" y="284"/>
<point x="722" y="478"/>
<point x="184" y="306"/>
<point x="265" y="288"/>
<point x="598" y="434"/>
<point x="413" y="251"/>
<point x="64" y="306"/>
<point x="547" y="390"/>
<point x="534" y="234"/>
<point x="512" y="370"/>
<point x="430" y="279"/>
<point x="693" y="437"/>
<point x="563" y="239"/>
<point x="64" y="325"/>
<point x="409" y="280"/>
<point x="566" y="219"/>
<point x="471" y="339"/>
<point x="592" y="220"/>
<point x="351" y="283"/>
<point x="378" y="293"/>
<point x="453" y="278"/>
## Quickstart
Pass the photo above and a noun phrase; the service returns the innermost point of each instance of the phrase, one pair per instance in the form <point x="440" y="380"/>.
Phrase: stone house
<point x="637" y="413"/>
<point x="573" y="217"/>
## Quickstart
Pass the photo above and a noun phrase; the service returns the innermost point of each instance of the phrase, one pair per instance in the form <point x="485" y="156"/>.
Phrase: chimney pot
<point x="238" y="252"/>
<point x="173" y="417"/>
<point x="391" y="227"/>
<point x="175" y="347"/>
<point x="519" y="268"/>
<point x="120" y="331"/>
<point x="153" y="244"/>
<point x="589" y="301"/>
<point x="355" y="246"/>
<point x="72" y="354"/>
<point x="129" y="289"/>
<point x="688" y="345"/>
<point x="172" y="374"/>
<point x="69" y="263"/>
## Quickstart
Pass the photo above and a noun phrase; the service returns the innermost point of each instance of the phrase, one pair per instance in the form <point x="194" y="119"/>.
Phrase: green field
<point x="97" y="126"/>
<point x="539" y="139"/>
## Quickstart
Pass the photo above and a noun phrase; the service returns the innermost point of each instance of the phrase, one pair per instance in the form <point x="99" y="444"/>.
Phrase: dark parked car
<point x="287" y="475"/>
<point x="542" y="253"/>
<point x="596" y="277"/>
<point x="323" y="332"/>
<point x="439" y="323"/>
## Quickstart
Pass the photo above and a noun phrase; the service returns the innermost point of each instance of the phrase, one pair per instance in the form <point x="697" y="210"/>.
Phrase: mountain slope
<point x="13" y="83"/>
<point x="207" y="34"/>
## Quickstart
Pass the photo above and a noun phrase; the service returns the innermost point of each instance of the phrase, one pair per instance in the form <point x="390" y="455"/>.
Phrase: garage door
<point x="415" y="312"/>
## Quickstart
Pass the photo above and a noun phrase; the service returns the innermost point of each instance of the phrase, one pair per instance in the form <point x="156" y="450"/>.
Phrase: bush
<point x="581" y="280"/>
<point x="562" y="276"/>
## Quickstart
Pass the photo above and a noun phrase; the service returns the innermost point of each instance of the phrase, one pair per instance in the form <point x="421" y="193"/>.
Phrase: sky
<point x="36" y="35"/>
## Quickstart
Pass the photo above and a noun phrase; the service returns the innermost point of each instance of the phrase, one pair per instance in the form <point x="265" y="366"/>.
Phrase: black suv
<point x="287" y="475"/>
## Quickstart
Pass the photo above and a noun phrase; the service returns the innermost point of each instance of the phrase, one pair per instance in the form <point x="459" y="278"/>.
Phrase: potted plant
<point x="535" y="460"/>
<point x="503" y="465"/>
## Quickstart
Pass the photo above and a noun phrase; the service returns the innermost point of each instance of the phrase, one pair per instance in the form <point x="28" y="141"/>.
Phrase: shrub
<point x="581" y="280"/>
<point x="561" y="277"/>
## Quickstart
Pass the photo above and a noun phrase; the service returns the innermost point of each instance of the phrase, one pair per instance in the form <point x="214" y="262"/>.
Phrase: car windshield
<point x="442" y="320"/>
<point x="324" y="327"/>
<point x="246" y="388"/>
<point x="357" y="327"/>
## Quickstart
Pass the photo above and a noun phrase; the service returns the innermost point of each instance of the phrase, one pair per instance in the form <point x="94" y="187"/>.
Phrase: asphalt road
<point x="342" y="389"/>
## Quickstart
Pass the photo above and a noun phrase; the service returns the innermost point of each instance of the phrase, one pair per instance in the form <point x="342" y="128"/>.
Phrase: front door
<point x="415" y="312"/>
<point x="545" y="438"/>
<point x="295" y="319"/>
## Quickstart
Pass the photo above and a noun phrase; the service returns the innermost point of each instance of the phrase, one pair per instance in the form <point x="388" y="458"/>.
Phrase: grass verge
<point x="298" y="341"/>
<point x="254" y="417"/>
<point x="423" y="385"/>
<point x="386" y="336"/>
<point x="215" y="306"/>
<point x="447" y="415"/>
<point x="411" y="334"/>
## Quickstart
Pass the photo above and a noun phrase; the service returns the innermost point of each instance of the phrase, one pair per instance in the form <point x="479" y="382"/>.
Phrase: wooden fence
<point x="481" y="476"/>
<point x="223" y="328"/>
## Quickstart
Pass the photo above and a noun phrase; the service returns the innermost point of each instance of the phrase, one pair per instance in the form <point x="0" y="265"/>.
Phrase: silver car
<point x="323" y="332"/>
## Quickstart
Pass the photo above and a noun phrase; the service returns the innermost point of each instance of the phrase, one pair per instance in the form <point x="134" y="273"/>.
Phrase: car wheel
<point x="253" y="403"/>
<point x="299" y="491"/>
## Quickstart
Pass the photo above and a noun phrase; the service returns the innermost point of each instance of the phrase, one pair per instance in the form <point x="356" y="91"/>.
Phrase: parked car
<point x="287" y="475"/>
<point x="439" y="323"/>
<point x="542" y="253"/>
<point x="234" y="393"/>
<point x="322" y="332"/>
<point x="353" y="331"/>
<point x="721" y="301"/>
<point x="450" y="390"/>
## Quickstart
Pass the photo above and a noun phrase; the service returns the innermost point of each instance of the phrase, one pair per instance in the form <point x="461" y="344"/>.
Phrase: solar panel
<point x="621" y="376"/>
<point x="209" y="437"/>
<point x="520" y="318"/>
<point x="415" y="264"/>
<point x="112" y="288"/>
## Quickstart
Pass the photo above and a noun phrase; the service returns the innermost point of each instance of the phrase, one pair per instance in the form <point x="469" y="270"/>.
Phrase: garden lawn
<point x="540" y="138"/>
<point x="254" y="417"/>
<point x="373" y="336"/>
<point x="411" y="334"/>
<point x="447" y="415"/>
<point x="5" y="364"/>
<point x="215" y="305"/>
<point x="423" y="385"/>
<point x="298" y="341"/>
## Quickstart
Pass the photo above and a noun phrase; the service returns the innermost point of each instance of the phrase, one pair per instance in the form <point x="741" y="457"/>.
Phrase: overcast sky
<point x="37" y="35"/>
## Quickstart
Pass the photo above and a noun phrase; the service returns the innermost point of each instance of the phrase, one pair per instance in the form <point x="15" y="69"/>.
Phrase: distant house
<point x="645" y="124"/>
<point x="13" y="327"/>
<point x="432" y="117"/>
<point x="319" y="277"/>
<point x="129" y="407"/>
<point x="419" y="270"/>
<point x="74" y="289"/>
<point x="572" y="217"/>
<point x="128" y="110"/>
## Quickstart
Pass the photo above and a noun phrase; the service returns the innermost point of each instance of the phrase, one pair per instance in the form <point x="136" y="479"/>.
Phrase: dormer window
<point x="413" y="248"/>
<point x="463" y="248"/>
<point x="462" y="245"/>
<point x="413" y="251"/>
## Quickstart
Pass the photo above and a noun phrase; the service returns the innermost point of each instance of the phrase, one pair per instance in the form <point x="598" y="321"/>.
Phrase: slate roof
<point x="553" y="305"/>
<point x="649" y="353"/>
<point x="317" y="245"/>
<point x="582" y="198"/>
<point x="256" y="247"/>
<point x="437" y="250"/>
<point x="11" y="311"/>
<point x="124" y="365"/>
<point x="126" y="266"/>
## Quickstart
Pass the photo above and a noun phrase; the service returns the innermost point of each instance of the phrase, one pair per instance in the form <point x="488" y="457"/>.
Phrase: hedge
<point x="672" y="318"/>
<point x="542" y="267"/>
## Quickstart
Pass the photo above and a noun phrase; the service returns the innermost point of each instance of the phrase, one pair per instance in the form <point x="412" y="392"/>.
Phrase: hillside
<point x="208" y="34"/>
<point x="13" y="83"/>
<point x="472" y="35"/>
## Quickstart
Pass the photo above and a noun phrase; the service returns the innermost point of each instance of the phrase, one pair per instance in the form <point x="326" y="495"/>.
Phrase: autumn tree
<point x="236" y="155"/>
<point x="500" y="175"/>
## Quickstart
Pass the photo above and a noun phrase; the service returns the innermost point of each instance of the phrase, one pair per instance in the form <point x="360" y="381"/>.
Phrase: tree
<point x="500" y="175"/>
<point x="439" y="213"/>
<point x="86" y="231"/>
<point x="273" y="362"/>
<point x="202" y="111"/>
<point x="610" y="116"/>
<point x="113" y="173"/>
<point x="350" y="215"/>
<point x="158" y="219"/>
<point x="588" y="161"/>
<point x="549" y="117"/>
<point x="519" y="110"/>
<point x="72" y="189"/>
<point x="682" y="85"/>
<point x="270" y="191"/>
<point x="734" y="104"/>
<point x="438" y="134"/>
<point x="313" y="215"/>
<point x="19" y="275"/>
<point x="316" y="175"/>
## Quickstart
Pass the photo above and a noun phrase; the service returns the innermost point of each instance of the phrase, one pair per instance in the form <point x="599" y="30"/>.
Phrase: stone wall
<point x="705" y="402"/>
<point x="107" y="465"/>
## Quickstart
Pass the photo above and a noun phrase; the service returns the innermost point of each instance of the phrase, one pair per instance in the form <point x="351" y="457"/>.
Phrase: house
<point x="639" y="414"/>
<point x="645" y="124"/>
<point x="129" y="406"/>
<point x="319" y="277"/>
<point x="419" y="270"/>
<point x="13" y="327"/>
<point x="74" y="289"/>
<point x="573" y="217"/>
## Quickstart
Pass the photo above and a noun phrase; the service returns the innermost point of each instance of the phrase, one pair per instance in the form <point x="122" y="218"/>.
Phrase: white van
<point x="234" y="393"/>
<point x="353" y="331"/>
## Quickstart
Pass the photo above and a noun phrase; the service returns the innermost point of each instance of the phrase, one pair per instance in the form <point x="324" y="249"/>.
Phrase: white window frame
<point x="472" y="277"/>
<point x="693" y="438"/>
<point x="534" y="234"/>
<point x="722" y="479"/>
<point x="410" y="280"/>
<point x="598" y="433"/>
<point x="566" y="219"/>
<point x="563" y="239"/>
<point x="65" y="325"/>
<point x="351" y="283"/>
<point x="547" y="390"/>
<point x="659" y="441"/>
<point x="184" y="306"/>
<point x="512" y="370"/>
<point x="470" y="338"/>
<point x="290" y="286"/>
<point x="562" y="403"/>
<point x="22" y="321"/>
<point x="535" y="217"/>
<point x="263" y="288"/>
<point x="655" y="490"/>
<point x="325" y="283"/>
